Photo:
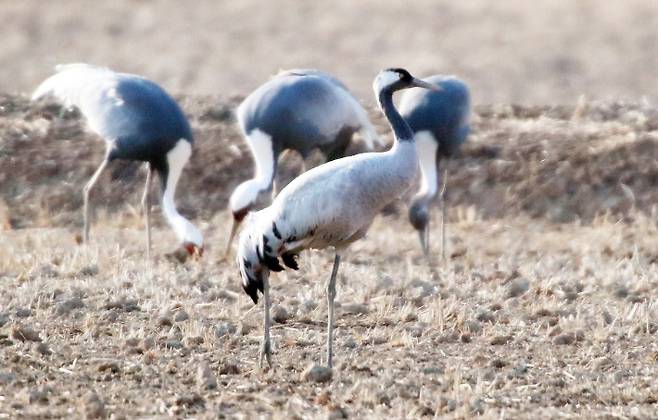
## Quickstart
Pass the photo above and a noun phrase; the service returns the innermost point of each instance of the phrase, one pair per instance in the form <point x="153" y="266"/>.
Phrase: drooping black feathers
<point x="270" y="261"/>
<point x="290" y="260"/>
<point x="252" y="287"/>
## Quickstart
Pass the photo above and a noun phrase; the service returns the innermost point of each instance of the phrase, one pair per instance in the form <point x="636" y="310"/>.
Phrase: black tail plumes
<point x="252" y="287"/>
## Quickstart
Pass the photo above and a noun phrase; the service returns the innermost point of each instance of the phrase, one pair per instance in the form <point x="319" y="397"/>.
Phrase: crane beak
<point x="193" y="250"/>
<point x="425" y="240"/>
<point x="423" y="84"/>
<point x="234" y="229"/>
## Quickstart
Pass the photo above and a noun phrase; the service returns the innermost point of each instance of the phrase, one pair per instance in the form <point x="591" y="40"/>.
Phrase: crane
<point x="300" y="110"/>
<point x="138" y="121"/>
<point x="331" y="205"/>
<point x="440" y="122"/>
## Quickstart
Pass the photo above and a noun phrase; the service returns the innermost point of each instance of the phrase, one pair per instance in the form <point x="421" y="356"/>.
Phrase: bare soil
<point x="546" y="306"/>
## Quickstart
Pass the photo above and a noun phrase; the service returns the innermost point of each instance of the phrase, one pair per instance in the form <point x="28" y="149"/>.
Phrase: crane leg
<point x="146" y="208"/>
<point x="331" y="295"/>
<point x="85" y="194"/>
<point x="266" y="348"/>
<point x="444" y="214"/>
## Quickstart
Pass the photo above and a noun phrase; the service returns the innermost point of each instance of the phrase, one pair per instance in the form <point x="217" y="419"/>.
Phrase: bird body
<point x="331" y="205"/>
<point x="300" y="110"/>
<point x="138" y="120"/>
<point x="440" y="122"/>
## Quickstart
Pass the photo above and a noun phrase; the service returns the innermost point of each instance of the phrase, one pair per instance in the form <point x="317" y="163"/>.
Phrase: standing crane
<point x="139" y="121"/>
<point x="331" y="205"/>
<point x="300" y="110"/>
<point x="440" y="122"/>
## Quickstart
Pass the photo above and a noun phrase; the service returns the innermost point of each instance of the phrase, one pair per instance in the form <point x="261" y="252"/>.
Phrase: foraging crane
<point x="298" y="110"/>
<point x="139" y="121"/>
<point x="331" y="205"/>
<point x="440" y="122"/>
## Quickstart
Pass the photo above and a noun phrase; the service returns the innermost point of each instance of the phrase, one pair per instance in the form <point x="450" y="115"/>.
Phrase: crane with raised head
<point x="331" y="205"/>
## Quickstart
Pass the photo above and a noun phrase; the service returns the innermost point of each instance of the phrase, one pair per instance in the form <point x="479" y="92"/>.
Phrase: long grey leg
<point x="85" y="194"/>
<point x="266" y="348"/>
<point x="331" y="295"/>
<point x="146" y="208"/>
<point x="444" y="213"/>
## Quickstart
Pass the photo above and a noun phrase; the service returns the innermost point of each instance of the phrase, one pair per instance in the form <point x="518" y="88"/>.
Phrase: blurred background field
<point x="544" y="52"/>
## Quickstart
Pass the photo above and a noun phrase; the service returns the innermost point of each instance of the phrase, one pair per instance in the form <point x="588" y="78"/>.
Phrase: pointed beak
<point x="424" y="236"/>
<point x="423" y="84"/>
<point x="195" y="252"/>
<point x="234" y="229"/>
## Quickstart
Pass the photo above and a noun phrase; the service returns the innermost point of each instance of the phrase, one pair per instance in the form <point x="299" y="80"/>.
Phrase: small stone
<point x="23" y="333"/>
<point x="173" y="344"/>
<point x="349" y="342"/>
<point x="165" y="319"/>
<point x="517" y="287"/>
<point x="229" y="367"/>
<point x="317" y="373"/>
<point x="568" y="338"/>
<point x="43" y="349"/>
<point x="501" y="340"/>
<point x="181" y="316"/>
<point x="89" y="270"/>
<point x="38" y="396"/>
<point x="23" y="313"/>
<point x="148" y="343"/>
<point x="309" y="305"/>
<point x="354" y="309"/>
<point x="194" y="341"/>
<point x="280" y="314"/>
<point x="473" y="326"/>
<point x="206" y="377"/>
<point x="416" y="330"/>
<point x="225" y="328"/>
<point x="621" y="292"/>
<point x="94" y="407"/>
<point x="433" y="370"/>
<point x="7" y="378"/>
<point x="68" y="305"/>
<point x="132" y="341"/>
<point x="498" y="363"/>
<point x="244" y="328"/>
<point x="109" y="366"/>
<point x="486" y="316"/>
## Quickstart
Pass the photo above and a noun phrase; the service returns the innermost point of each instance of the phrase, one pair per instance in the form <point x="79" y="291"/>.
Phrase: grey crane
<point x="331" y="205"/>
<point x="139" y="121"/>
<point x="440" y="122"/>
<point x="300" y="110"/>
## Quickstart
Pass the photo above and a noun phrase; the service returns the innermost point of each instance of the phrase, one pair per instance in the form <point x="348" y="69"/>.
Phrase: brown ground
<point x="546" y="306"/>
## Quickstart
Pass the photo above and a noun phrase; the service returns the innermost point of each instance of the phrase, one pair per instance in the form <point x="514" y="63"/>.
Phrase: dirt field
<point x="546" y="307"/>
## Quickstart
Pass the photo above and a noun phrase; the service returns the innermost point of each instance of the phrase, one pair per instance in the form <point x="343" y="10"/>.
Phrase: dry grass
<point x="546" y="307"/>
<point x="527" y="319"/>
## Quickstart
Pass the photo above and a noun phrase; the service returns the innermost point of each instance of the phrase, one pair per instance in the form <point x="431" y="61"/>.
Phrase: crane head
<point x="394" y="79"/>
<point x="193" y="250"/>
<point x="242" y="201"/>
<point x="419" y="218"/>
